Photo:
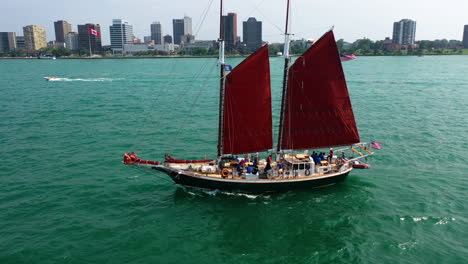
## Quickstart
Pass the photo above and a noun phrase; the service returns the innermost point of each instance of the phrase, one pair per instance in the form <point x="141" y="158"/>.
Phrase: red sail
<point x="247" y="106"/>
<point x="318" y="110"/>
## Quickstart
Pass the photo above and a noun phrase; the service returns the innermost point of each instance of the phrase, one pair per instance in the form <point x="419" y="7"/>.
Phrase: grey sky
<point x="353" y="19"/>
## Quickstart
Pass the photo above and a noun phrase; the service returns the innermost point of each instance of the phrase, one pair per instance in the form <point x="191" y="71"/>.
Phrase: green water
<point x="65" y="197"/>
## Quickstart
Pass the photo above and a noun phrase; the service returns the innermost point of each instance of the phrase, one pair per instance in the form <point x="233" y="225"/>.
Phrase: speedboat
<point x="52" y="78"/>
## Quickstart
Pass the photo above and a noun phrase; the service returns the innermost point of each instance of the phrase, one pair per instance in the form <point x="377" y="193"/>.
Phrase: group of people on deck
<point x="246" y="166"/>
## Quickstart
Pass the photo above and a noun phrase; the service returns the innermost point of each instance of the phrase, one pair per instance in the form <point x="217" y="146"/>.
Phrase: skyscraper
<point x="465" y="37"/>
<point x="7" y="41"/>
<point x="229" y="23"/>
<point x="34" y="37"/>
<point x="61" y="29"/>
<point x="156" y="32"/>
<point x="120" y="33"/>
<point x="20" y="42"/>
<point x="181" y="27"/>
<point x="87" y="40"/>
<point x="404" y="32"/>
<point x="252" y="33"/>
<point x="167" y="39"/>
<point x="71" y="40"/>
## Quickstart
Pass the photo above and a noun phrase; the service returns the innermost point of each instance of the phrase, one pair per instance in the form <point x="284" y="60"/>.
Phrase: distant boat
<point x="47" y="57"/>
<point x="52" y="78"/>
<point x="348" y="57"/>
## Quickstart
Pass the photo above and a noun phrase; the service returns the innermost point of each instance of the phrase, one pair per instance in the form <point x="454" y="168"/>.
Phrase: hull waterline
<point x="251" y="186"/>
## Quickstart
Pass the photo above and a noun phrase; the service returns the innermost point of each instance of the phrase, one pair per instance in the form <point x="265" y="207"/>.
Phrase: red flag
<point x="375" y="145"/>
<point x="94" y="32"/>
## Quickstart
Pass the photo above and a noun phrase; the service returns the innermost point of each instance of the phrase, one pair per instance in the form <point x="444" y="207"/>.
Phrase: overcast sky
<point x="353" y="19"/>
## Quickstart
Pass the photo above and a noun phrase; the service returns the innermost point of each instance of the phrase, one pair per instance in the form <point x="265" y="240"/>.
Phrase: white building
<point x="121" y="33"/>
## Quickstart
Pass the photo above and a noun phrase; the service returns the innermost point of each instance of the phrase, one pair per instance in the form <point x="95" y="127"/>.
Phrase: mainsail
<point x="317" y="110"/>
<point x="247" y="125"/>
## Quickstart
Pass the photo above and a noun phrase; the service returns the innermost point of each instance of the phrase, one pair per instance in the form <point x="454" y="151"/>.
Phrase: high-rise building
<point x="465" y="37"/>
<point x="71" y="41"/>
<point x="404" y="32"/>
<point x="252" y="31"/>
<point x="147" y="39"/>
<point x="20" y="42"/>
<point x="87" y="40"/>
<point x="156" y="32"/>
<point x="61" y="29"/>
<point x="7" y="41"/>
<point x="229" y="23"/>
<point x="181" y="27"/>
<point x="167" y="39"/>
<point x="34" y="37"/>
<point x="120" y="33"/>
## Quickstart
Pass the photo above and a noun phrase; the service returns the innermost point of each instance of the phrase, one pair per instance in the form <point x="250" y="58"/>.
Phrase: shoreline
<point x="199" y="57"/>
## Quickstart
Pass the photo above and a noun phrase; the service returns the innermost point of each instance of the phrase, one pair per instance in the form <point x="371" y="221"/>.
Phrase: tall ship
<point x="316" y="114"/>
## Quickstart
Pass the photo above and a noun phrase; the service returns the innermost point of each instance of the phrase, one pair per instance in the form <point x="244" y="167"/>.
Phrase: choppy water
<point x="65" y="197"/>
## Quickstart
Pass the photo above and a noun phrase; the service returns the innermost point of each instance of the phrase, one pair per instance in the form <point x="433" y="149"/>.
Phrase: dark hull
<point x="246" y="186"/>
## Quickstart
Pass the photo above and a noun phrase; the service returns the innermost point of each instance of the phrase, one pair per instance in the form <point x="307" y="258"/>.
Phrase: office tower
<point x="71" y="41"/>
<point x="7" y="41"/>
<point x="229" y="23"/>
<point x="167" y="39"/>
<point x="120" y="33"/>
<point x="61" y="29"/>
<point x="147" y="39"/>
<point x="181" y="27"/>
<point x="465" y="37"/>
<point x="86" y="39"/>
<point x="156" y="32"/>
<point x="34" y="37"/>
<point x="20" y="42"/>
<point x="404" y="32"/>
<point x="252" y="33"/>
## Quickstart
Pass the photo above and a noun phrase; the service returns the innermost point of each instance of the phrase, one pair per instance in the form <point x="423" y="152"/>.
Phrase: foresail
<point x="318" y="111"/>
<point x="247" y="125"/>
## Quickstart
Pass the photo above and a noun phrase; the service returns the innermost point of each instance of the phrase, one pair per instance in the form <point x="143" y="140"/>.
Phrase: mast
<point x="285" y="78"/>
<point x="221" y="81"/>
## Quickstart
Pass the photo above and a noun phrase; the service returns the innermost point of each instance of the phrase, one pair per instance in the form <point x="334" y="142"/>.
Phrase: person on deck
<point x="279" y="166"/>
<point x="249" y="169"/>
<point x="330" y="155"/>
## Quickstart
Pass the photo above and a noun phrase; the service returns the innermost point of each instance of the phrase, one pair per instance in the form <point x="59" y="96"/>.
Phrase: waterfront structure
<point x="71" y="41"/>
<point x="465" y="37"/>
<point x="121" y="32"/>
<point x="7" y="41"/>
<point x="62" y="28"/>
<point x="89" y="41"/>
<point x="55" y="44"/>
<point x="252" y="33"/>
<point x="167" y="39"/>
<point x="20" y="42"/>
<point x="203" y="44"/>
<point x="404" y="32"/>
<point x="229" y="24"/>
<point x="134" y="48"/>
<point x="156" y="32"/>
<point x="34" y="37"/>
<point x="181" y="27"/>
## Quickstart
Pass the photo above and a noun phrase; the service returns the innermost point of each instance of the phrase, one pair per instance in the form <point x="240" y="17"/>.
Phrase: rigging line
<point x="195" y="101"/>
<point x="157" y="100"/>
<point x="250" y="13"/>
<point x="269" y="21"/>
<point x="203" y="17"/>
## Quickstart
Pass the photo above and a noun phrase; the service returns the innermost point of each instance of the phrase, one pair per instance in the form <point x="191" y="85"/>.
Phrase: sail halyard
<point x="287" y="61"/>
<point x="317" y="111"/>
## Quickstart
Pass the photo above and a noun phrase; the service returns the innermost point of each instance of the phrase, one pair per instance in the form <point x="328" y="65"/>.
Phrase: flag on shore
<point x="375" y="145"/>
<point x="94" y="32"/>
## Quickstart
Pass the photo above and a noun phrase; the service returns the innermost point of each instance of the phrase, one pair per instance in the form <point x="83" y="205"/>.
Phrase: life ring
<point x="307" y="172"/>
<point x="225" y="173"/>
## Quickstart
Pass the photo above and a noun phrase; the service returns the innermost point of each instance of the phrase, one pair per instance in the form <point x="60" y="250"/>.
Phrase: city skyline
<point x="309" y="20"/>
